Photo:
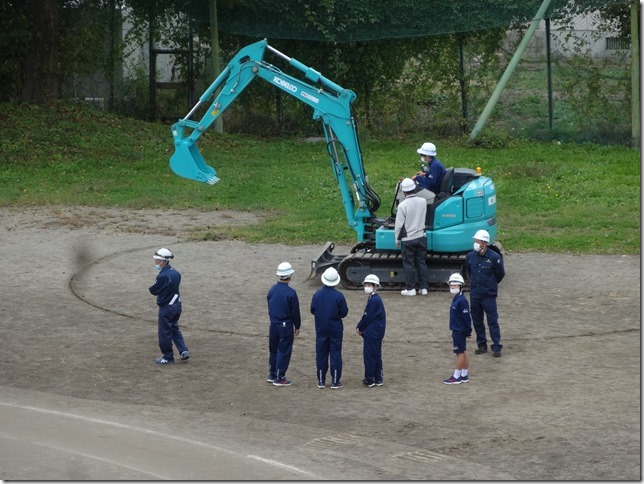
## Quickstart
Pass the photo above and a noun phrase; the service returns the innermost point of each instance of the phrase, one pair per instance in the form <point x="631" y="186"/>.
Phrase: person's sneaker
<point x="366" y="383"/>
<point x="282" y="383"/>
<point x="452" y="381"/>
<point x="336" y="386"/>
<point x="163" y="361"/>
<point x="270" y="379"/>
<point x="480" y="350"/>
<point x="465" y="379"/>
<point x="423" y="292"/>
<point x="185" y="355"/>
<point x="321" y="384"/>
<point x="497" y="354"/>
<point x="408" y="292"/>
<point x="380" y="383"/>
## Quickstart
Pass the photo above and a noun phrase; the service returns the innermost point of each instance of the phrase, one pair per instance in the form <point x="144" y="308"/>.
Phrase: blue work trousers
<point x="372" y="355"/>
<point x="486" y="305"/>
<point x="414" y="254"/>
<point x="329" y="347"/>
<point x="280" y="348"/>
<point x="169" y="331"/>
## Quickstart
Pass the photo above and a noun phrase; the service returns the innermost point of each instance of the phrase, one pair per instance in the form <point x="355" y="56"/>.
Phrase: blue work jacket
<point x="166" y="285"/>
<point x="329" y="306"/>
<point x="433" y="177"/>
<point x="283" y="305"/>
<point x="374" y="319"/>
<point x="459" y="315"/>
<point x="486" y="271"/>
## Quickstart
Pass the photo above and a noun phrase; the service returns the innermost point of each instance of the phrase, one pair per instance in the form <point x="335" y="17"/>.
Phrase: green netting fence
<point x="429" y="67"/>
<point x="354" y="21"/>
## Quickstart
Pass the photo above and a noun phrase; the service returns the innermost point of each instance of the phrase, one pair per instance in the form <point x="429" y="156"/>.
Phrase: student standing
<point x="166" y="289"/>
<point x="372" y="329"/>
<point x="329" y="306"/>
<point x="284" y="314"/>
<point x="460" y="323"/>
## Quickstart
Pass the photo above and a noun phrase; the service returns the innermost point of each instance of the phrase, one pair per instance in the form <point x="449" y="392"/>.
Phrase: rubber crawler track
<point x="394" y="260"/>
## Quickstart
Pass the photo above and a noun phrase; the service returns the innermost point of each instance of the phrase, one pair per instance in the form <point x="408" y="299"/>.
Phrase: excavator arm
<point x="331" y="104"/>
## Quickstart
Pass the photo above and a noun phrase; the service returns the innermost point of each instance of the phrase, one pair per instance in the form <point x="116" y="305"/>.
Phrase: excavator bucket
<point x="325" y="260"/>
<point x="188" y="163"/>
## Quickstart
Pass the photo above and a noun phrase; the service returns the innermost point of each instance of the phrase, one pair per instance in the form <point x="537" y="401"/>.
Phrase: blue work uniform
<point x="373" y="325"/>
<point x="166" y="289"/>
<point x="485" y="271"/>
<point x="433" y="176"/>
<point x="284" y="314"/>
<point x="329" y="306"/>
<point x="460" y="322"/>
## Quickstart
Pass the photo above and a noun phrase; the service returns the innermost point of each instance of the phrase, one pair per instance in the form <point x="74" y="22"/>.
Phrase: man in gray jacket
<point x="410" y="233"/>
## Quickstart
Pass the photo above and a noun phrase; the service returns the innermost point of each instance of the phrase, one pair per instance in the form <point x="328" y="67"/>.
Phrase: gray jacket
<point x="411" y="217"/>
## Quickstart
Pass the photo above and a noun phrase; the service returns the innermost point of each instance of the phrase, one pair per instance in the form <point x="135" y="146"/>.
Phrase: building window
<point x="615" y="43"/>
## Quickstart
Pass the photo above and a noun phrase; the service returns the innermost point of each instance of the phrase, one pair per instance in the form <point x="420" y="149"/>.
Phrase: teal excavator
<point x="466" y="202"/>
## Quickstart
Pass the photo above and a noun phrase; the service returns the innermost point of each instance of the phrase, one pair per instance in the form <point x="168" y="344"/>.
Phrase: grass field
<point x="551" y="197"/>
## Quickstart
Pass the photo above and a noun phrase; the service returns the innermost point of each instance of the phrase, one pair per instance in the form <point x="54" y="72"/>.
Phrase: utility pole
<point x="636" y="136"/>
<point x="509" y="70"/>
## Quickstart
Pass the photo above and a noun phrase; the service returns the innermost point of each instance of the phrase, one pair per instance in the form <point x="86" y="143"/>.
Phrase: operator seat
<point x="447" y="188"/>
<point x="447" y="185"/>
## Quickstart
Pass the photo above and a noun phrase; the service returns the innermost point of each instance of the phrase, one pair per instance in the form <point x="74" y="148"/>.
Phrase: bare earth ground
<point x="79" y="337"/>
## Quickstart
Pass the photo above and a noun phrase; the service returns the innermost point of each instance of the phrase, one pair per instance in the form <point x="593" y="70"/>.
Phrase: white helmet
<point x="284" y="269"/>
<point x="482" y="235"/>
<point x="407" y="185"/>
<point x="428" y="149"/>
<point x="331" y="277"/>
<point x="372" y="279"/>
<point x="163" y="254"/>
<point x="456" y="278"/>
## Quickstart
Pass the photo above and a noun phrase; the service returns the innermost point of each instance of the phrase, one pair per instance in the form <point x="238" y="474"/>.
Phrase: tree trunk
<point x="40" y="68"/>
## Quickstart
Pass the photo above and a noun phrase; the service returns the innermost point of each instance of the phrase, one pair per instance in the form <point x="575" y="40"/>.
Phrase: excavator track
<point x="388" y="266"/>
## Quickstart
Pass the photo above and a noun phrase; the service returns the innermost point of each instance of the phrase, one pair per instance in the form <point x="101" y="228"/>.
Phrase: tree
<point x="40" y="73"/>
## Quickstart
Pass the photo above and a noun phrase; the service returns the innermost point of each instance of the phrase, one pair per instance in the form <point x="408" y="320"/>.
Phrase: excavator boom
<point x="331" y="103"/>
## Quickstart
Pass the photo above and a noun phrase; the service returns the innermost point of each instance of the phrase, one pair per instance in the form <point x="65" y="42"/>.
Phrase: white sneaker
<point x="423" y="292"/>
<point x="408" y="292"/>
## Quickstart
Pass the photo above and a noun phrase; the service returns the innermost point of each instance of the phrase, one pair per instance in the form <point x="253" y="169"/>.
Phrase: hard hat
<point x="482" y="235"/>
<point x="163" y="254"/>
<point x="372" y="279"/>
<point x="331" y="277"/>
<point x="284" y="269"/>
<point x="428" y="149"/>
<point x="407" y="185"/>
<point x="456" y="278"/>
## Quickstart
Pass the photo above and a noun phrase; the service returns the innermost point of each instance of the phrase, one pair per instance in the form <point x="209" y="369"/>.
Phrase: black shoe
<point x="497" y="354"/>
<point x="480" y="350"/>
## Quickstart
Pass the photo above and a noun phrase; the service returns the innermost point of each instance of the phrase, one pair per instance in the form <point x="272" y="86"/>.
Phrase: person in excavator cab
<point x="432" y="171"/>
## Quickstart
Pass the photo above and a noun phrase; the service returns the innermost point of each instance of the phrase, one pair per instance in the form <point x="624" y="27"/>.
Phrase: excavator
<point x="465" y="204"/>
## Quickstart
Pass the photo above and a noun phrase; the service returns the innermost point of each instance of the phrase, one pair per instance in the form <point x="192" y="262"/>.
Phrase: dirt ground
<point x="78" y="331"/>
